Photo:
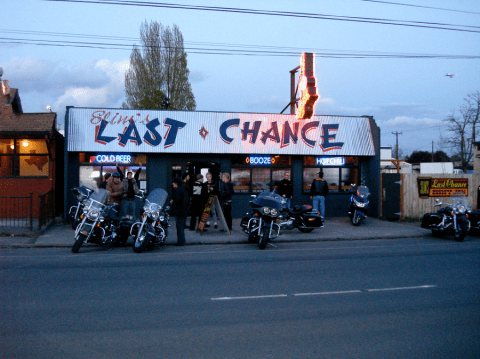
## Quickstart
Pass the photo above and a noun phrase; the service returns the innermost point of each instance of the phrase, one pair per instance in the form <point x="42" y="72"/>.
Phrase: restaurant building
<point x="256" y="149"/>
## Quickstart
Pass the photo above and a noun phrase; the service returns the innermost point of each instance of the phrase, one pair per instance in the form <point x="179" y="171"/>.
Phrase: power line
<point x="417" y="24"/>
<point x="219" y="49"/>
<point x="420" y="6"/>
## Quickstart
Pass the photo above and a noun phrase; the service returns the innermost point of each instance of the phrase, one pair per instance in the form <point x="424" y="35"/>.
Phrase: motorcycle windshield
<point x="363" y="192"/>
<point x="459" y="200"/>
<point x="157" y="196"/>
<point x="269" y="199"/>
<point x="99" y="196"/>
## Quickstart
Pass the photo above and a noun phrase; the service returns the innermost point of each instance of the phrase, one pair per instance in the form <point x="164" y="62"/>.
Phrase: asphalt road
<point x="415" y="298"/>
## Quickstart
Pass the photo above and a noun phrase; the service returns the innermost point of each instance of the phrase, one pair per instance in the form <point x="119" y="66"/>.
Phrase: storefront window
<point x="339" y="172"/>
<point x="258" y="173"/>
<point x="94" y="166"/>
<point x="6" y="146"/>
<point x="261" y="179"/>
<point x="241" y="179"/>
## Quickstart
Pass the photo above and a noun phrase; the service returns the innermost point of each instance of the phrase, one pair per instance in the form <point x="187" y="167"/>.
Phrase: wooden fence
<point x="415" y="207"/>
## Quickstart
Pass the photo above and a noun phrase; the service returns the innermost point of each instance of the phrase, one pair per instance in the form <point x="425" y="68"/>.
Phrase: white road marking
<point x="325" y="293"/>
<point x="251" y="297"/>
<point x="401" y="288"/>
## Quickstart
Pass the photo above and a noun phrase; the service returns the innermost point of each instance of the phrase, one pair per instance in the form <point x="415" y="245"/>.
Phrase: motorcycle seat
<point x="299" y="209"/>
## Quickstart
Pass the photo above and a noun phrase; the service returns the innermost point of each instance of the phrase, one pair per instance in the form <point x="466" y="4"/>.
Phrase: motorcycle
<point x="452" y="219"/>
<point x="305" y="218"/>
<point x="81" y="193"/>
<point x="358" y="205"/>
<point x="153" y="230"/>
<point x="474" y="218"/>
<point x="263" y="224"/>
<point x="100" y="223"/>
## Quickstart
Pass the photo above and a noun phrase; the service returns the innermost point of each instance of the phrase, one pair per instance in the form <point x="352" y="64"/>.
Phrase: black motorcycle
<point x="81" y="194"/>
<point x="450" y="219"/>
<point x="305" y="218"/>
<point x="100" y="223"/>
<point x="153" y="230"/>
<point x="263" y="223"/>
<point x="358" y="205"/>
<point x="474" y="218"/>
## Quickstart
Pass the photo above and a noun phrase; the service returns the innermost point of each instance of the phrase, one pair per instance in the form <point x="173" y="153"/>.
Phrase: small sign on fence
<point x="441" y="187"/>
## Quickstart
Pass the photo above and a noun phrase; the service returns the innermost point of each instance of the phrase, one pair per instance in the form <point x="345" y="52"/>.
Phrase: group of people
<point x="194" y="198"/>
<point x="122" y="190"/>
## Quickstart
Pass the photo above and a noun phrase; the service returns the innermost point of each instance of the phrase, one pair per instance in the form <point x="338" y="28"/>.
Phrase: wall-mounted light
<point x="25" y="143"/>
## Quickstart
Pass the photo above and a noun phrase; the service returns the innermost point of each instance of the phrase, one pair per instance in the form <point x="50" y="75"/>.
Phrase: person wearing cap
<point x="116" y="189"/>
<point x="318" y="191"/>
<point x="199" y="195"/>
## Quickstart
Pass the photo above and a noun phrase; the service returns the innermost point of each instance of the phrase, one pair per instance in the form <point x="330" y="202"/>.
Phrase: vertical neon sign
<point x="307" y="86"/>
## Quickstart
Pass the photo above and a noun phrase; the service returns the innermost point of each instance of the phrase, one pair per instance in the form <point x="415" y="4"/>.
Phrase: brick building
<point x="31" y="155"/>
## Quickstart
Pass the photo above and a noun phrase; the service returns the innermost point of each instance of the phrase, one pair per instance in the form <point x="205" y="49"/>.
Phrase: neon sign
<point x="330" y="161"/>
<point x="111" y="159"/>
<point x="307" y="86"/>
<point x="259" y="160"/>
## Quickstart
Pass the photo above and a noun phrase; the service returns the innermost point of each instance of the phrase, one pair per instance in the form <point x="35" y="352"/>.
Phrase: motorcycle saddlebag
<point x="430" y="219"/>
<point x="312" y="220"/>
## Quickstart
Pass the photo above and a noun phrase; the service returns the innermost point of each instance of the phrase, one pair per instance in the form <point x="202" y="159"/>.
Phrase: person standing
<point x="285" y="189"/>
<point x="318" y="191"/>
<point x="212" y="189"/>
<point x="131" y="188"/>
<point x="116" y="189"/>
<point x="226" y="192"/>
<point x="199" y="196"/>
<point x="179" y="208"/>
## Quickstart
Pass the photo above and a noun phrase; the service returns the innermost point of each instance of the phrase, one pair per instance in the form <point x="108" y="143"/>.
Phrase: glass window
<point x="89" y="176"/>
<point x="261" y="179"/>
<point x="278" y="174"/>
<point x="6" y="146"/>
<point x="241" y="180"/>
<point x="28" y="146"/>
<point x="33" y="165"/>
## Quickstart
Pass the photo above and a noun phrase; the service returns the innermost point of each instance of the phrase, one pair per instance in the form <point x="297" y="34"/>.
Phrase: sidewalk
<point x="340" y="228"/>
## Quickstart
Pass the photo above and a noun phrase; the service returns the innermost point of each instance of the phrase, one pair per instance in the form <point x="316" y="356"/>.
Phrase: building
<point x="256" y="149"/>
<point x="31" y="161"/>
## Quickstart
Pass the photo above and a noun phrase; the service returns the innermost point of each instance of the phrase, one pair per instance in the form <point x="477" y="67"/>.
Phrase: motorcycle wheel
<point x="141" y="242"/>
<point x="305" y="230"/>
<point x="78" y="242"/>
<point x="357" y="220"/>
<point x="462" y="233"/>
<point x="262" y="243"/>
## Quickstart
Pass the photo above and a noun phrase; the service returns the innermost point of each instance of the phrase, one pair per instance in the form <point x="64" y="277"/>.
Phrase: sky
<point x="75" y="53"/>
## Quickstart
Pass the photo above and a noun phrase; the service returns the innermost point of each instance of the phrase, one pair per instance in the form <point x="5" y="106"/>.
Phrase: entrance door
<point x="195" y="168"/>
<point x="391" y="195"/>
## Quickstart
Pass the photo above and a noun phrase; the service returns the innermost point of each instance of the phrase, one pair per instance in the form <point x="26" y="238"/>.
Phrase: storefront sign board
<point x="148" y="131"/>
<point x="441" y="187"/>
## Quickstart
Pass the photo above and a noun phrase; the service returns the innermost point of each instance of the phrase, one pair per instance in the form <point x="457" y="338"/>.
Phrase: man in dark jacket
<point x="226" y="192"/>
<point x="285" y="188"/>
<point x="199" y="195"/>
<point x="318" y="191"/>
<point x="179" y="209"/>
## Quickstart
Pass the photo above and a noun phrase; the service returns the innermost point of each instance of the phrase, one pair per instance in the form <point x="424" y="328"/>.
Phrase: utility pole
<point x="396" y="134"/>
<point x="432" y="151"/>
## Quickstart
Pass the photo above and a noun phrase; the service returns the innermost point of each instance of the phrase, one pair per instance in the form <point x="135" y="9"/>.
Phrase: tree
<point x="158" y="73"/>
<point x="424" y="156"/>
<point x="463" y="125"/>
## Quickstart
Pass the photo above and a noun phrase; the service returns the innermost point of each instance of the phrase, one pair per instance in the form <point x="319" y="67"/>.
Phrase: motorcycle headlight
<point x="274" y="212"/>
<point x="154" y="214"/>
<point x="266" y="210"/>
<point x="461" y="210"/>
<point x="93" y="215"/>
<point x="161" y="219"/>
